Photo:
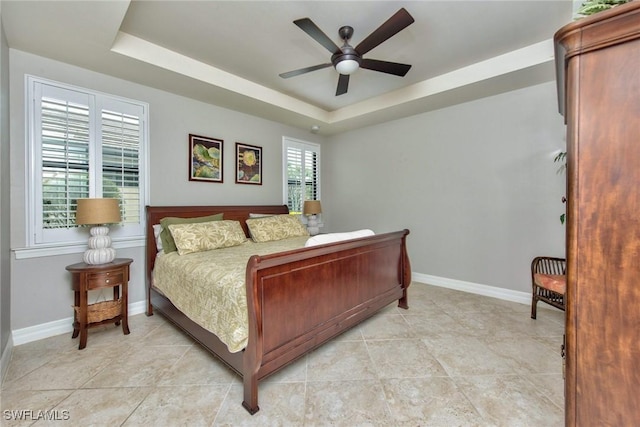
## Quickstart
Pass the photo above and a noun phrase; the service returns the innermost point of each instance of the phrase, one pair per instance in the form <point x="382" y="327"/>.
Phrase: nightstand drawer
<point x="105" y="279"/>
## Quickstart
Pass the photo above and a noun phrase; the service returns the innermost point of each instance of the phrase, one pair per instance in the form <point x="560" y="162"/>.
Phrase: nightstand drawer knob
<point x="107" y="281"/>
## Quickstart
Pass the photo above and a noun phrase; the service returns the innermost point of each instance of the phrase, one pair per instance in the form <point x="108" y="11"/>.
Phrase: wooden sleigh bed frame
<point x="297" y="300"/>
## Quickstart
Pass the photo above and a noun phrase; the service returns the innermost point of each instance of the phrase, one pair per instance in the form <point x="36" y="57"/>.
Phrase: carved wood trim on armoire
<point x="598" y="65"/>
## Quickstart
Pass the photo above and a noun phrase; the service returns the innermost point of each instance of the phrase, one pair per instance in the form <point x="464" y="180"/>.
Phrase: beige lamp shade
<point x="98" y="211"/>
<point x="312" y="207"/>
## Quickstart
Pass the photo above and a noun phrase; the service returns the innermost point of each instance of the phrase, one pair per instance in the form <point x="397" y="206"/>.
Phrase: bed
<point x="297" y="299"/>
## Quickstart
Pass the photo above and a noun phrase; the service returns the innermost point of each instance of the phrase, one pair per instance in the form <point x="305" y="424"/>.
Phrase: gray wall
<point x="5" y="276"/>
<point x="475" y="183"/>
<point x="40" y="286"/>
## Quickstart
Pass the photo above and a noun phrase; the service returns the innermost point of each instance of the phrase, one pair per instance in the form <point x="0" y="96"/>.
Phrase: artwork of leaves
<point x="206" y="159"/>
<point x="206" y="162"/>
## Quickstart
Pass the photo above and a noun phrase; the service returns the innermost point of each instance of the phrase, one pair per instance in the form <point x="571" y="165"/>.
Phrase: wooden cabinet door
<point x="602" y="65"/>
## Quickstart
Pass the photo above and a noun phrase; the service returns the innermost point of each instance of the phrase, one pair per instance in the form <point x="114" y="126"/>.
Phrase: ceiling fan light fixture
<point x="347" y="66"/>
<point x="346" y="60"/>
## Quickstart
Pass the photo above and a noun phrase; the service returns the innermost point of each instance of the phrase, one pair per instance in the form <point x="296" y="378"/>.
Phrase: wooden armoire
<point x="598" y="61"/>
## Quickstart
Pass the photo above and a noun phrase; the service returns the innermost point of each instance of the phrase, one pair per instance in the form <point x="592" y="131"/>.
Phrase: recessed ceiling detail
<point x="458" y="51"/>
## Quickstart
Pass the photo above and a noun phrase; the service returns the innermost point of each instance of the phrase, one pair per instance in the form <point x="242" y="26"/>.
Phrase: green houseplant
<point x="594" y="6"/>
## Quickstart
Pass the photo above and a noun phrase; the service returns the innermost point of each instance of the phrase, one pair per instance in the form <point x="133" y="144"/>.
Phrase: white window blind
<point x="65" y="160"/>
<point x="302" y="173"/>
<point x="83" y="144"/>
<point x="121" y="136"/>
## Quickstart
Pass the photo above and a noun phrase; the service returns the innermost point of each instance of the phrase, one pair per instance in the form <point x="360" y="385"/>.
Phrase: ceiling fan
<point x="346" y="59"/>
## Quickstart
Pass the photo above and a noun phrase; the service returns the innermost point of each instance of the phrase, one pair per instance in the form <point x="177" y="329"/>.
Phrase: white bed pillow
<point x="157" y="229"/>
<point x="323" y="239"/>
<point x="260" y="215"/>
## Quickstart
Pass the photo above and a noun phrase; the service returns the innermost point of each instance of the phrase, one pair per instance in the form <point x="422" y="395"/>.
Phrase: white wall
<point x="40" y="287"/>
<point x="475" y="183"/>
<point x="5" y="276"/>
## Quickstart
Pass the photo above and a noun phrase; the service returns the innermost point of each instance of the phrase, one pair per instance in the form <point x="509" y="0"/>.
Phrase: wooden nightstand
<point x="86" y="277"/>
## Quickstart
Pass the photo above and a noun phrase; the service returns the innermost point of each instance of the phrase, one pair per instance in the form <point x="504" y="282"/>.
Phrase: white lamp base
<point x="100" y="250"/>
<point x="312" y="225"/>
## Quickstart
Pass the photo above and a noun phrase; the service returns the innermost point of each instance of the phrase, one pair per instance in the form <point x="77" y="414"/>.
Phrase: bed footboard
<point x="298" y="300"/>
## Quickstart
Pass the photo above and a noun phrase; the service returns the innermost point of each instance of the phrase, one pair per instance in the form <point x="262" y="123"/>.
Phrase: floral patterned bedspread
<point x="209" y="287"/>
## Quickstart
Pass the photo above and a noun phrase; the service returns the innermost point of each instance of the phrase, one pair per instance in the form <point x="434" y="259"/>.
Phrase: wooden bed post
<point x="150" y="258"/>
<point x="405" y="274"/>
<point x="252" y="357"/>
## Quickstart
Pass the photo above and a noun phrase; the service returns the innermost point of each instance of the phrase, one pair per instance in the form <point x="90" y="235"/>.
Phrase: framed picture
<point x="248" y="164"/>
<point x="205" y="159"/>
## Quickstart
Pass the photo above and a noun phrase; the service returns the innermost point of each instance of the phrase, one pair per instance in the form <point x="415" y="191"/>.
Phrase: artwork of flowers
<point x="205" y="161"/>
<point x="248" y="164"/>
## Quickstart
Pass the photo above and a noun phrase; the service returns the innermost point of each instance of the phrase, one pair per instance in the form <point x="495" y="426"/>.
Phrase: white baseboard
<point x="5" y="359"/>
<point x="58" y="327"/>
<point x="474" y="288"/>
<point x="64" y="326"/>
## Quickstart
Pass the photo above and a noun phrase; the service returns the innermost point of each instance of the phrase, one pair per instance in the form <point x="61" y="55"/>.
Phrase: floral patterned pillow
<point x="275" y="227"/>
<point x="205" y="236"/>
<point x="165" y="235"/>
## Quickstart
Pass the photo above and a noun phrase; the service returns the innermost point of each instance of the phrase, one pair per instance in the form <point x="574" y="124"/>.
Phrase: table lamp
<point x="311" y="209"/>
<point x="98" y="213"/>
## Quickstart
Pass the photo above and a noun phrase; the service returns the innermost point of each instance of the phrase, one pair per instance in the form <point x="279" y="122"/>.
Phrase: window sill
<point x="45" y="251"/>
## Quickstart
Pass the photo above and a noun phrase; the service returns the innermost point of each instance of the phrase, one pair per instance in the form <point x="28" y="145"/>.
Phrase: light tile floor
<point x="452" y="359"/>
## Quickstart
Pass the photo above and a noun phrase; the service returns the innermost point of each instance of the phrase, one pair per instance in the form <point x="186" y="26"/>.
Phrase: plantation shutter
<point x="302" y="173"/>
<point x="294" y="179"/>
<point x="311" y="175"/>
<point x="121" y="136"/>
<point x="83" y="144"/>
<point x="64" y="165"/>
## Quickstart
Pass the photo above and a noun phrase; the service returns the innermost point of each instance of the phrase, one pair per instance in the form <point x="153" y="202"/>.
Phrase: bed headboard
<point x="237" y="213"/>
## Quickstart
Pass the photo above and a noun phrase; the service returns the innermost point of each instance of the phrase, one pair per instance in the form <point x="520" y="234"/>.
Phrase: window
<point x="83" y="144"/>
<point x="302" y="173"/>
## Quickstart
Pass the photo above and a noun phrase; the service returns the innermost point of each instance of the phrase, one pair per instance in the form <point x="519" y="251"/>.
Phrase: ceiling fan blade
<point x="304" y="70"/>
<point x="398" y="22"/>
<point x="316" y="33"/>
<point x="343" y="84"/>
<point x="394" y="68"/>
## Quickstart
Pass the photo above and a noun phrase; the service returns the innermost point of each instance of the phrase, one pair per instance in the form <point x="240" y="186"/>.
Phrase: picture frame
<point x="248" y="164"/>
<point x="205" y="159"/>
